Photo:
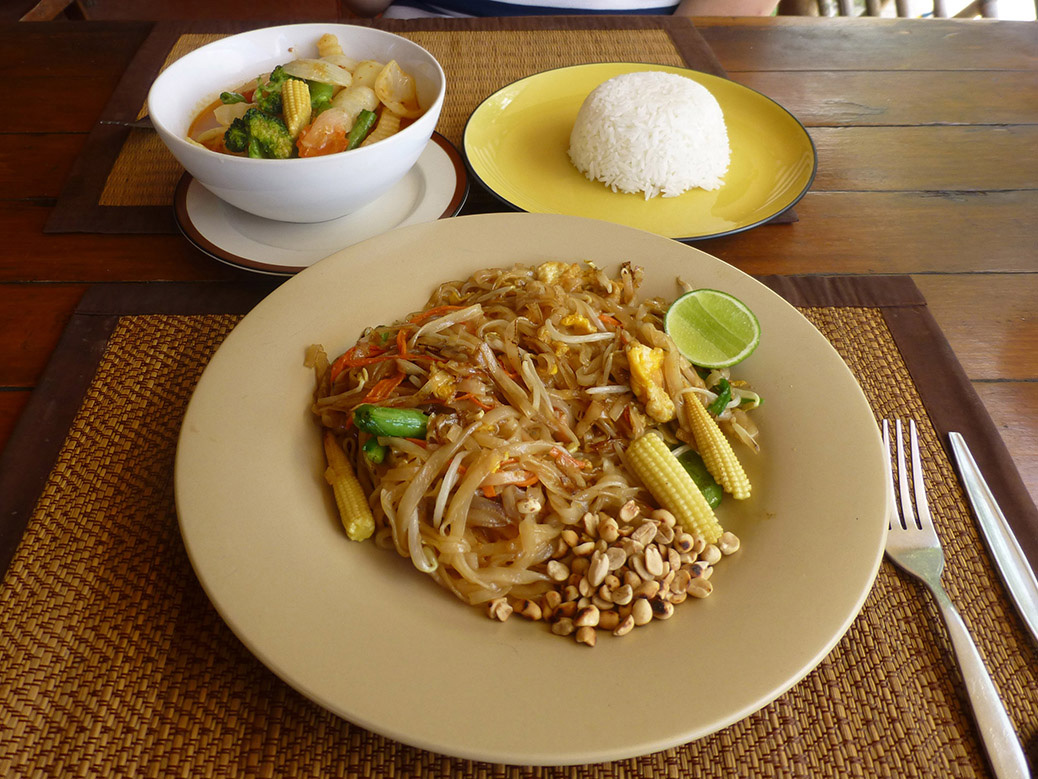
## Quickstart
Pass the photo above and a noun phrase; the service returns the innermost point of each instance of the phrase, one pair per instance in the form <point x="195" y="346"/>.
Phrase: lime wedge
<point x="712" y="328"/>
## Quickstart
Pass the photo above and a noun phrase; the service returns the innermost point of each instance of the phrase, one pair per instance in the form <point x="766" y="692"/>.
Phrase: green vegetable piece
<point x="320" y="96"/>
<point x="236" y="138"/>
<point x="260" y="136"/>
<point x="230" y="98"/>
<point x="374" y="451"/>
<point x="696" y="468"/>
<point x="724" y="397"/>
<point x="361" y="127"/>
<point x="268" y="136"/>
<point x="396" y="422"/>
<point x="267" y="97"/>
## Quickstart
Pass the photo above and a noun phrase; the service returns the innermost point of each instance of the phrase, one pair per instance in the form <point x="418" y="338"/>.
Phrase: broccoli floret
<point x="236" y="138"/>
<point x="270" y="134"/>
<point x="260" y="135"/>
<point x="320" y="96"/>
<point x="268" y="96"/>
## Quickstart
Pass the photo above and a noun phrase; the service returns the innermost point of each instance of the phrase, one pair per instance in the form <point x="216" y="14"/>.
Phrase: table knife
<point x="1009" y="558"/>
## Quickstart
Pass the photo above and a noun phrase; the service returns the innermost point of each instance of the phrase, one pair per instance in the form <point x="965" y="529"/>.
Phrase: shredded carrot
<point x="358" y="362"/>
<point x="349" y="358"/>
<point x="401" y="341"/>
<point x="565" y="458"/>
<point x="489" y="491"/>
<point x="609" y="319"/>
<point x="528" y="482"/>
<point x="476" y="400"/>
<point x="507" y="370"/>
<point x="419" y="441"/>
<point x="382" y="389"/>
<point x="429" y="313"/>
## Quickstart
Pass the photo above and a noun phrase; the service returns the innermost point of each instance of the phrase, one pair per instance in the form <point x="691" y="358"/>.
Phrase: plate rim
<point x="532" y="756"/>
<point x="204" y="244"/>
<point x="682" y="239"/>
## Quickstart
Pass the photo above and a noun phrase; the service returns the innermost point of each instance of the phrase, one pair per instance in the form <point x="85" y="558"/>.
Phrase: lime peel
<point x="711" y="328"/>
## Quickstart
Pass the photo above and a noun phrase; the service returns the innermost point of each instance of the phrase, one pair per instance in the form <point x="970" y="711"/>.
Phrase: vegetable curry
<point x="310" y="107"/>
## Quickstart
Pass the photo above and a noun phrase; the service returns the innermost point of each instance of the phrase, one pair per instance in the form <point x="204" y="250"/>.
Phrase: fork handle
<point x="996" y="730"/>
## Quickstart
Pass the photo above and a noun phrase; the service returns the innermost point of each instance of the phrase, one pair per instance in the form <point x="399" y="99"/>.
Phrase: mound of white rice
<point x="651" y="132"/>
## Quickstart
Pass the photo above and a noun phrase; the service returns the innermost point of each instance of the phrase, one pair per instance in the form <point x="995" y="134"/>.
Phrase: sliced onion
<point x="319" y="70"/>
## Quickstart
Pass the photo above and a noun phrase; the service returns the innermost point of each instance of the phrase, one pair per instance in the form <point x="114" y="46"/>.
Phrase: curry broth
<point x="205" y="123"/>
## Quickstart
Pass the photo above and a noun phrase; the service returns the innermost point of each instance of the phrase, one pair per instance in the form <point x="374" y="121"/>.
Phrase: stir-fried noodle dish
<point x="534" y="441"/>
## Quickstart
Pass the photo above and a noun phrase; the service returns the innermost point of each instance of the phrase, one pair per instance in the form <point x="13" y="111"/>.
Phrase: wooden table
<point x="925" y="129"/>
<point x="925" y="132"/>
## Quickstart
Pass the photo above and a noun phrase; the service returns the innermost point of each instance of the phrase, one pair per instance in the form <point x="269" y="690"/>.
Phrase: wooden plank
<point x="831" y="44"/>
<point x="962" y="159"/>
<point x="1013" y="406"/>
<point x="93" y="258"/>
<point x="276" y="11"/>
<point x="32" y="317"/>
<point x="865" y="98"/>
<point x="892" y="232"/>
<point x="837" y="233"/>
<point x="12" y="403"/>
<point x="90" y="65"/>
<point x="36" y="166"/>
<point x="46" y="10"/>
<point x="990" y="320"/>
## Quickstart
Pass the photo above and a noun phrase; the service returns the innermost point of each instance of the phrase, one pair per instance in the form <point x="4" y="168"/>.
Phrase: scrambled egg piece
<point x="579" y="323"/>
<point x="567" y="274"/>
<point x="647" y="381"/>
<point x="440" y="384"/>
<point x="551" y="272"/>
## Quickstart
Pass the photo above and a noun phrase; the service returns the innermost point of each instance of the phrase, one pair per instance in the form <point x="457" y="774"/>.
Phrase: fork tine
<point x="907" y="512"/>
<point x="922" y="506"/>
<point x="895" y="515"/>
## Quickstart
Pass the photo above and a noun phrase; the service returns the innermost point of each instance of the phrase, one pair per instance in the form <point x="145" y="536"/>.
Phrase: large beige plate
<point x="361" y="633"/>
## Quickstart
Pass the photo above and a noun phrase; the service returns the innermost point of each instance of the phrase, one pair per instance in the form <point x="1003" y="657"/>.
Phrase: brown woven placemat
<point x="124" y="179"/>
<point x="115" y="664"/>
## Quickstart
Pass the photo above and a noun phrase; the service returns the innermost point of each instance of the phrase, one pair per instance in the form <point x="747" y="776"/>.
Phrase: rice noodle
<point x="527" y="422"/>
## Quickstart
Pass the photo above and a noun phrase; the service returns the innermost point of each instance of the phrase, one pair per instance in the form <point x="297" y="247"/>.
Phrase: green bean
<point x="393" y="422"/>
<point x="361" y="127"/>
<point x="696" y="468"/>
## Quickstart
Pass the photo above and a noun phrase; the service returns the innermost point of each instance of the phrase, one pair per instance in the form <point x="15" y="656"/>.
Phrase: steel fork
<point x="913" y="545"/>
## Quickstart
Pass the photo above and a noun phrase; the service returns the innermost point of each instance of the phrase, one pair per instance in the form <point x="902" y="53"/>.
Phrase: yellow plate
<point x="516" y="144"/>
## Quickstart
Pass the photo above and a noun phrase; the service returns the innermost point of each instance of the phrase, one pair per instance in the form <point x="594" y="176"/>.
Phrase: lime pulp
<point x="711" y="328"/>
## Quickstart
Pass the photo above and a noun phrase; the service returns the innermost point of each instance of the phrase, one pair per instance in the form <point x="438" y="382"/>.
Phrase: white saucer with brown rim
<point x="435" y="188"/>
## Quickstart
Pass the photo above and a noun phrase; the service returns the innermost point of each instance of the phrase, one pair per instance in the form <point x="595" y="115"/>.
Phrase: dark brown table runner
<point x="123" y="180"/>
<point x="115" y="664"/>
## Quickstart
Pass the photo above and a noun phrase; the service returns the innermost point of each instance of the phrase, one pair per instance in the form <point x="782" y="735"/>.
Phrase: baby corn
<point x="716" y="451"/>
<point x="670" y="484"/>
<point x="349" y="495"/>
<point x="388" y="124"/>
<point x="295" y="97"/>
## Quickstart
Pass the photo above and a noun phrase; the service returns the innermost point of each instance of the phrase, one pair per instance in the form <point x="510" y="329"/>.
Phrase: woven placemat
<point x="115" y="664"/>
<point x="125" y="178"/>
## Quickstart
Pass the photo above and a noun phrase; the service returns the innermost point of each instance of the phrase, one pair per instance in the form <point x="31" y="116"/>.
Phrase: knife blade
<point x="1009" y="558"/>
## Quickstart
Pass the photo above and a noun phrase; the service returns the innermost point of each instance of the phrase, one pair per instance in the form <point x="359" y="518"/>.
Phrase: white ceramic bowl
<point x="298" y="190"/>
